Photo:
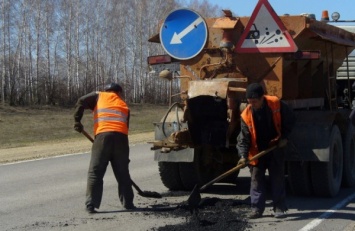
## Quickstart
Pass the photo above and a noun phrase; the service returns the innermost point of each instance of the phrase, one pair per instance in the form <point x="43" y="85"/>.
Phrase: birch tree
<point x="53" y="51"/>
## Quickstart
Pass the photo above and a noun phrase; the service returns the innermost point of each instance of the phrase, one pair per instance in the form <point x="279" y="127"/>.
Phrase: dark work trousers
<point x="109" y="147"/>
<point x="274" y="163"/>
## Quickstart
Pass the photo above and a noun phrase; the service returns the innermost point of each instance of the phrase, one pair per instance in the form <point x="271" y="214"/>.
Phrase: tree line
<point x="54" y="51"/>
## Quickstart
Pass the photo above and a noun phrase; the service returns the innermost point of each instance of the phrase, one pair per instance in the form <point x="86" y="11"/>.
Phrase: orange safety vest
<point x="110" y="114"/>
<point x="274" y="103"/>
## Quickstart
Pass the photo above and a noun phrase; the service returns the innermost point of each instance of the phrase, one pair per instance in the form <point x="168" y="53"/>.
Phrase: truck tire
<point x="169" y="174"/>
<point x="349" y="158"/>
<point x="190" y="175"/>
<point x="327" y="176"/>
<point x="299" y="178"/>
<point x="194" y="173"/>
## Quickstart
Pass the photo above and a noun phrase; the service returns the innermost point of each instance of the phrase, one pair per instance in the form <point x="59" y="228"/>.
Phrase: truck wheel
<point x="327" y="176"/>
<point x="193" y="173"/>
<point x="190" y="176"/>
<point x="299" y="178"/>
<point x="169" y="174"/>
<point x="349" y="158"/>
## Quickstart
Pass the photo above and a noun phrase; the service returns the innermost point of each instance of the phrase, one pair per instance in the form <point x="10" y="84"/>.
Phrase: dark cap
<point x="113" y="87"/>
<point x="254" y="91"/>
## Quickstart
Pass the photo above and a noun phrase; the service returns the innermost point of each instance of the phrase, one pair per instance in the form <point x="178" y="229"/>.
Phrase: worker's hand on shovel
<point x="243" y="162"/>
<point x="78" y="127"/>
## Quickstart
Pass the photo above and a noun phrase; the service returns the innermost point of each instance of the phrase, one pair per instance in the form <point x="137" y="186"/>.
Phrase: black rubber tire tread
<point x="190" y="176"/>
<point x="326" y="179"/>
<point x="169" y="174"/>
<point x="299" y="178"/>
<point x="192" y="173"/>
<point x="349" y="158"/>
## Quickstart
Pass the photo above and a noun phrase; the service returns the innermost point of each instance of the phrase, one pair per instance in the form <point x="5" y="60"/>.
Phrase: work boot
<point x="255" y="214"/>
<point x="90" y="209"/>
<point x="279" y="213"/>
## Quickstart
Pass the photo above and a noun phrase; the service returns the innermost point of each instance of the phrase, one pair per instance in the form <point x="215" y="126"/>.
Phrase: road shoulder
<point x="49" y="149"/>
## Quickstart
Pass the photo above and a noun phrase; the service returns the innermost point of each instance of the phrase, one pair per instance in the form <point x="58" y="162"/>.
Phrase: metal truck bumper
<point x="184" y="155"/>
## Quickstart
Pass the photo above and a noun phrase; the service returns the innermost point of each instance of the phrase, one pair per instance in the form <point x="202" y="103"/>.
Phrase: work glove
<point x="282" y="143"/>
<point x="78" y="127"/>
<point x="242" y="161"/>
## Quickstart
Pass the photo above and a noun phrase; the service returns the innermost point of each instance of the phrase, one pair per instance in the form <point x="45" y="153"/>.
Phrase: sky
<point x="346" y="8"/>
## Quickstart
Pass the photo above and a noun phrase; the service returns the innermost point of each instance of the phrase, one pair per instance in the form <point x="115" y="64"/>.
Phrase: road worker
<point x="265" y="122"/>
<point x="111" y="123"/>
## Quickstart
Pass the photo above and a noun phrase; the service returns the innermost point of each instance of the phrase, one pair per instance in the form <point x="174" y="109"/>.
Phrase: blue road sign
<point x="183" y="34"/>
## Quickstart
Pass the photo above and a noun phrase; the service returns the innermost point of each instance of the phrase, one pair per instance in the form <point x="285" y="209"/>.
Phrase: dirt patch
<point x="56" y="148"/>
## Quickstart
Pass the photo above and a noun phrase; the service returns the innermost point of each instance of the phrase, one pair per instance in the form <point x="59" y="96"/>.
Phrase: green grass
<point x="21" y="126"/>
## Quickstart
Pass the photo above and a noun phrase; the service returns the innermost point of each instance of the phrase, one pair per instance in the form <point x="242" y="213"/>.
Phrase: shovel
<point x="195" y="197"/>
<point x="140" y="192"/>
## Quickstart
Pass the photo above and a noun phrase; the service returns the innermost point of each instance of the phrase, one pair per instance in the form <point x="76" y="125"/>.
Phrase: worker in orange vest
<point x="111" y="123"/>
<point x="265" y="122"/>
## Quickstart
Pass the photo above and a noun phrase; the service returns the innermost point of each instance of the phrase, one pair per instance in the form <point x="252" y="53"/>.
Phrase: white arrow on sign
<point x="177" y="37"/>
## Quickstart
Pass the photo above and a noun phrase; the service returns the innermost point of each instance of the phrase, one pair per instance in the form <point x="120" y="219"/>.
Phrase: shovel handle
<point x="87" y="135"/>
<point x="260" y="154"/>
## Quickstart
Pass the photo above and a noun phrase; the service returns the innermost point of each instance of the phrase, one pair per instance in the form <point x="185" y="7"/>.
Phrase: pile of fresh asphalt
<point x="212" y="214"/>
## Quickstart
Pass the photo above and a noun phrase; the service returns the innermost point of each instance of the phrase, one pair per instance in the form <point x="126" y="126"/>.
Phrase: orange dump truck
<point x="303" y="61"/>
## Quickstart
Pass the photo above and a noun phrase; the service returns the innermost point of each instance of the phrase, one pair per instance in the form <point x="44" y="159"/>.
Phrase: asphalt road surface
<point x="49" y="194"/>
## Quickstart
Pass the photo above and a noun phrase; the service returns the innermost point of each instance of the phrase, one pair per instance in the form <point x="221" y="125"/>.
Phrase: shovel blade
<point x="150" y="194"/>
<point x="194" y="198"/>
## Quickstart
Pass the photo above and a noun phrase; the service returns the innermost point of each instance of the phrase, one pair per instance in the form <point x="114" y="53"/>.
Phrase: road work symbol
<point x="265" y="32"/>
<point x="183" y="34"/>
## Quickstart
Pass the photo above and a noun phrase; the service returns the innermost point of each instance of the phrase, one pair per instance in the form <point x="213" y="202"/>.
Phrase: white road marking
<point x="327" y="213"/>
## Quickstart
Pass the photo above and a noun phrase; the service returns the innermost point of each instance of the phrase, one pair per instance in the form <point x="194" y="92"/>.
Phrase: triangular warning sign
<point x="265" y="32"/>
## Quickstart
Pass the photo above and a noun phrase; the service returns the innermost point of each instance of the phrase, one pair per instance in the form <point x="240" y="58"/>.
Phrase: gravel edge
<point x="50" y="149"/>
